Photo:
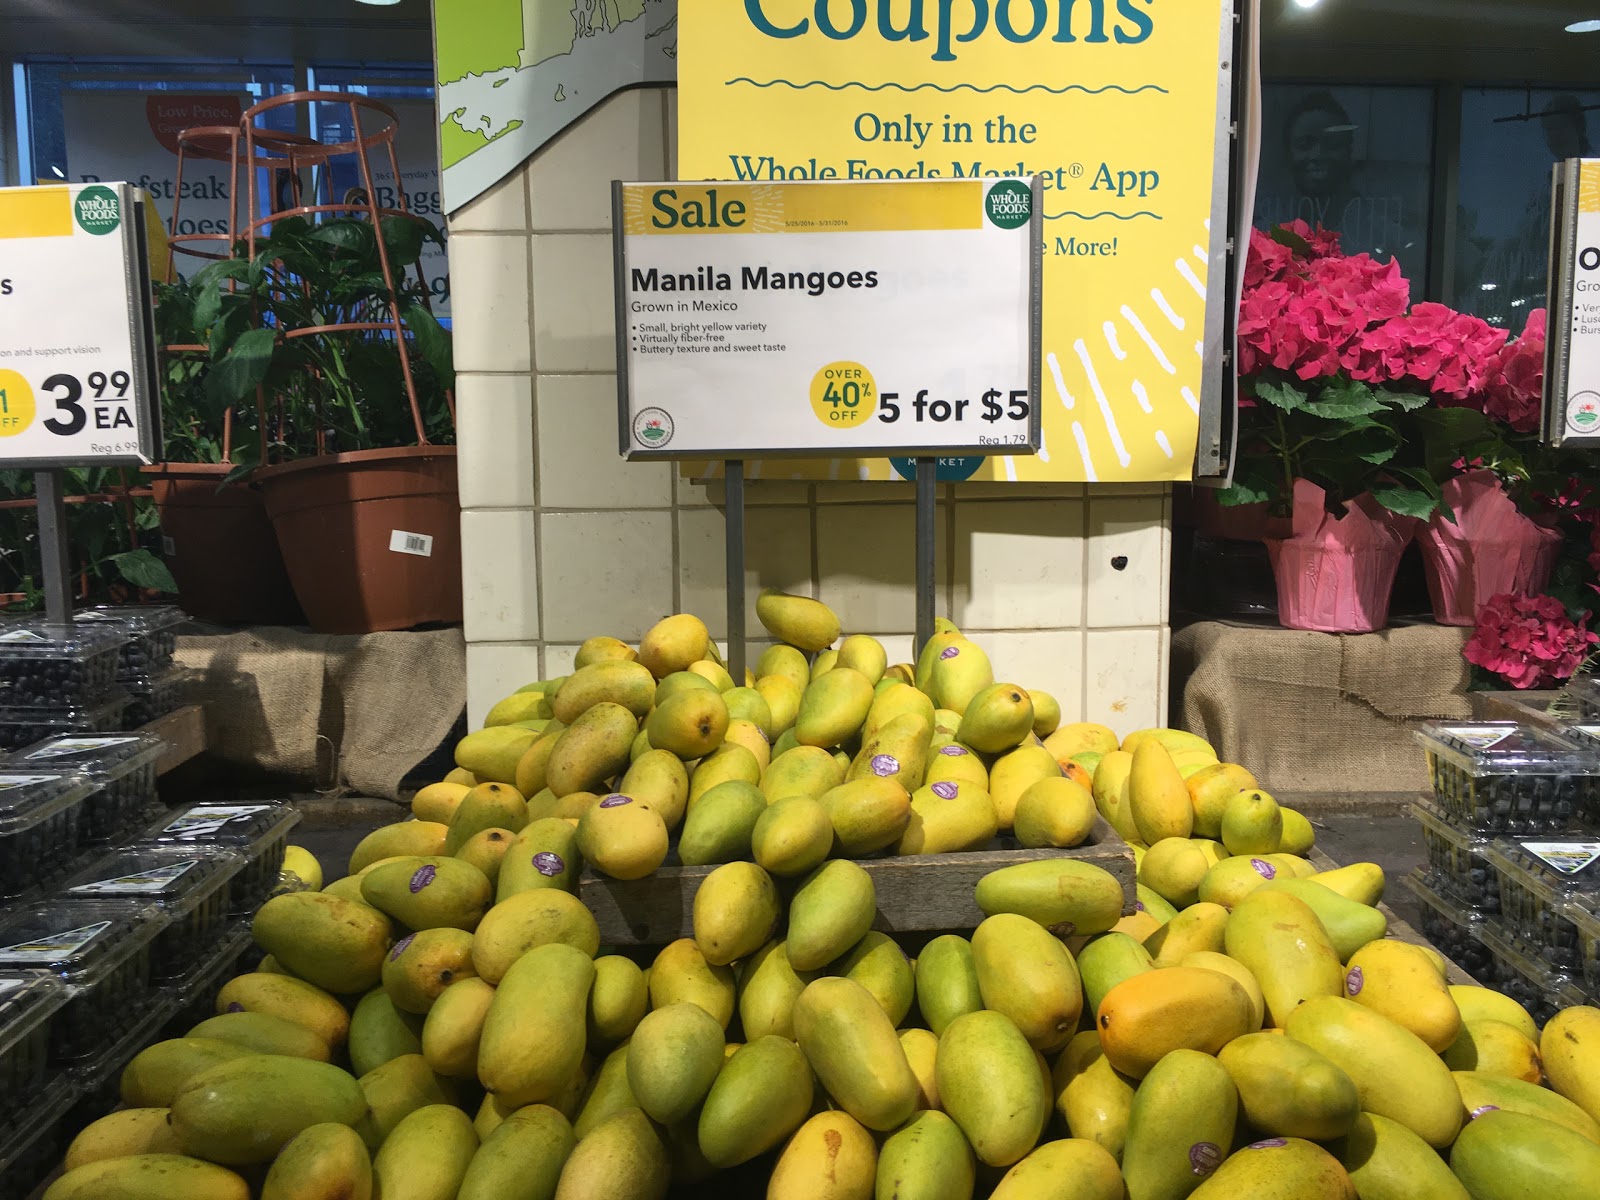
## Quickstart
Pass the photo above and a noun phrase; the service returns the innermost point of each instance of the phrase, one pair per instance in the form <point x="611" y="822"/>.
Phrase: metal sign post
<point x="78" y="381"/>
<point x="827" y="320"/>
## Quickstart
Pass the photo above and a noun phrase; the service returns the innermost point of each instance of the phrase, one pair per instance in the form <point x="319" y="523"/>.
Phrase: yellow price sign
<point x="17" y="407"/>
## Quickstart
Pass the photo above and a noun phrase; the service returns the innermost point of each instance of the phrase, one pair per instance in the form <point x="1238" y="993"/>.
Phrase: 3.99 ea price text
<point x="100" y="401"/>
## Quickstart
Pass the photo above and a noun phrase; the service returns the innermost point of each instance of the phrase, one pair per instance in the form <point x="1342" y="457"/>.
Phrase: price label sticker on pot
<point x="828" y="319"/>
<point x="76" y="333"/>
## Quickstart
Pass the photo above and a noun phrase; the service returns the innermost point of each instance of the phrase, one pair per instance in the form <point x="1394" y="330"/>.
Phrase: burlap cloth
<point x="357" y="712"/>
<point x="1320" y="712"/>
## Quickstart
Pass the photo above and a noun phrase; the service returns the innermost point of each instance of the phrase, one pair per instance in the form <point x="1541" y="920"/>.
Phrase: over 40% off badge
<point x="845" y="395"/>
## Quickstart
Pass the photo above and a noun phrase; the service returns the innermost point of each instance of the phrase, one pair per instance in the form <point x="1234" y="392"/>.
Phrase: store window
<point x="94" y="119"/>
<point x="1510" y="138"/>
<point x="1355" y="159"/>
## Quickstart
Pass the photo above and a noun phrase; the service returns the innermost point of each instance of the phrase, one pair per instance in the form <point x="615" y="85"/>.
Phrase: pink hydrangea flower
<point x="1529" y="641"/>
<point x="1515" y="390"/>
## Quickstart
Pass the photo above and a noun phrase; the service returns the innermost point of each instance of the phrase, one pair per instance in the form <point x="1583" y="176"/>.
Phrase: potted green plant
<point x="349" y="375"/>
<point x="219" y="541"/>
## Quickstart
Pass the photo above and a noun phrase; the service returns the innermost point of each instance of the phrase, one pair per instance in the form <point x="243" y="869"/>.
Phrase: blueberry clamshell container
<point x="191" y="884"/>
<point x="122" y="766"/>
<point x="153" y="696"/>
<point x="21" y="727"/>
<point x="28" y="1007"/>
<point x="41" y="813"/>
<point x="99" y="1077"/>
<point x="1587" y="921"/>
<point x="151" y="630"/>
<point x="32" y="1149"/>
<point x="1585" y="692"/>
<point x="258" y="832"/>
<point x="54" y="667"/>
<point x="1497" y="777"/>
<point x="1452" y="930"/>
<point x="196" y="995"/>
<point x="1459" y="861"/>
<point x="1540" y="879"/>
<point x="1540" y="990"/>
<point x="101" y="950"/>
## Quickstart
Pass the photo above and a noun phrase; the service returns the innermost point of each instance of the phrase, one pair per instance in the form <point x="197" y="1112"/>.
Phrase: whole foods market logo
<point x="1009" y="204"/>
<point x="1583" y="412"/>
<point x="652" y="428"/>
<point x="98" y="210"/>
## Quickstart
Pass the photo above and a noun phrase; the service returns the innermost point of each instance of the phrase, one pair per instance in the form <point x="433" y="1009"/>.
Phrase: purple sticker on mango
<point x="1481" y="1109"/>
<point x="1138" y="906"/>
<point x="424" y="876"/>
<point x="945" y="790"/>
<point x="616" y="800"/>
<point x="953" y="751"/>
<point x="235" y="1007"/>
<point x="400" y="947"/>
<point x="1269" y="1144"/>
<point x="1264" y="869"/>
<point x="1355" y="981"/>
<point x="1204" y="1157"/>
<point x="885" y="765"/>
<point x="949" y="652"/>
<point x="547" y="863"/>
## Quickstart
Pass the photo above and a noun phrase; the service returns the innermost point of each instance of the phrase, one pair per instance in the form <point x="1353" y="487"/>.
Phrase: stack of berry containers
<point x="145" y="668"/>
<point x="41" y="814"/>
<point x="259" y="833"/>
<point x="58" y="679"/>
<point x="122" y="766"/>
<point x="1508" y="877"/>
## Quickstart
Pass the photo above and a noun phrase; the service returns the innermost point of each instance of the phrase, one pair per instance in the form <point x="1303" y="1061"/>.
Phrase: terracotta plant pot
<point x="1336" y="574"/>
<point x="372" y="538"/>
<point x="1490" y="548"/>
<point x="220" y="547"/>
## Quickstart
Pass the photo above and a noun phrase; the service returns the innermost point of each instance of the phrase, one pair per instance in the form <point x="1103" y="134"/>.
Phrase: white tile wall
<point x="606" y="573"/>
<point x="489" y="301"/>
<point x="1129" y="555"/>
<point x="777" y="555"/>
<point x="579" y="466"/>
<point x="1019" y="565"/>
<point x="494" y="432"/>
<point x="611" y="547"/>
<point x="495" y="670"/>
<point x="569" y="183"/>
<point x="502" y="603"/>
<point x="866" y="565"/>
<point x="573" y="315"/>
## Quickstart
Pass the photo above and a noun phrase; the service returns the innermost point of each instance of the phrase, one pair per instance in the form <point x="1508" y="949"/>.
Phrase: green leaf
<point x="1408" y="502"/>
<point x="1242" y="492"/>
<point x="1404" y="401"/>
<point x="403" y="239"/>
<point x="1294" y="241"/>
<point x="144" y="570"/>
<point x="353" y="236"/>
<point x="1281" y="395"/>
<point x="432" y="340"/>
<point x="244" y="367"/>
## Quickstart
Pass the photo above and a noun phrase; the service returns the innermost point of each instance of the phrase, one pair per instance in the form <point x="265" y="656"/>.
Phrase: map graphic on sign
<point x="514" y="73"/>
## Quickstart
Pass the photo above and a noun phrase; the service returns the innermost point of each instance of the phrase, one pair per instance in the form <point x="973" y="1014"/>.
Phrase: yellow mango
<point x="1386" y="1161"/>
<point x="1091" y="1096"/>
<point x="1069" y="1169"/>
<point x="1400" y="981"/>
<point x="854" y="1050"/>
<point x="1149" y="1015"/>
<point x="1279" y="1167"/>
<point x="1158" y="798"/>
<point x="1495" y="1048"/>
<point x="761" y="1095"/>
<point x="1481" y="1092"/>
<point x="1239" y="973"/>
<point x="1504" y="1155"/>
<point x="830" y="1157"/>
<point x="1180" y="1127"/>
<point x="1027" y="974"/>
<point x="990" y="1084"/>
<point x="1284" y="945"/>
<point x="1485" y="1004"/>
<point x="927" y="1158"/>
<point x="1287" y="1089"/>
<point x="681" y="973"/>
<point x="124" y="1132"/>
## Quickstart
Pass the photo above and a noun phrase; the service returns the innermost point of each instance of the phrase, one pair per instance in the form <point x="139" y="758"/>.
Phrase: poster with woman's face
<point x="1357" y="160"/>
<point x="1510" y="139"/>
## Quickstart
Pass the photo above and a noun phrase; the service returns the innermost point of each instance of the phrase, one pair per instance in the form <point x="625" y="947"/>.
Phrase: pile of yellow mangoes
<point x="443" y="1024"/>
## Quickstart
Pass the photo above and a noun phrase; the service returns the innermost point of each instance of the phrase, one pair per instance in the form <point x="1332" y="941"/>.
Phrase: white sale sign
<point x="1573" y="371"/>
<point x="828" y="319"/>
<point x="75" y="378"/>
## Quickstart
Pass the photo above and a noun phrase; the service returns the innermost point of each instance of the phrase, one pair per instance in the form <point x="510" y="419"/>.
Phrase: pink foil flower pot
<point x="1491" y="548"/>
<point x="1336" y="574"/>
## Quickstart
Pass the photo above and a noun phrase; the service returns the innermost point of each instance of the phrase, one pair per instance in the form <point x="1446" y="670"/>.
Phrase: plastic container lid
<point x="177" y="878"/>
<point x="238" y="826"/>
<point x="1554" y="868"/>
<point x="102" y="757"/>
<point x="31" y="639"/>
<point x="137" y="620"/>
<point x="82" y="941"/>
<point x="1506" y="748"/>
<point x="27" y="798"/>
<point x="26" y="1002"/>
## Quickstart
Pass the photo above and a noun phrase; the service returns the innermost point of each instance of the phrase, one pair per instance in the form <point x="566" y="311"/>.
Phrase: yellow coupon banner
<point x="1120" y="106"/>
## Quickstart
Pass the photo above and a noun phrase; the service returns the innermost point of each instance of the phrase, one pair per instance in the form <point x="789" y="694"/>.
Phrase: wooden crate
<point x="919" y="893"/>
